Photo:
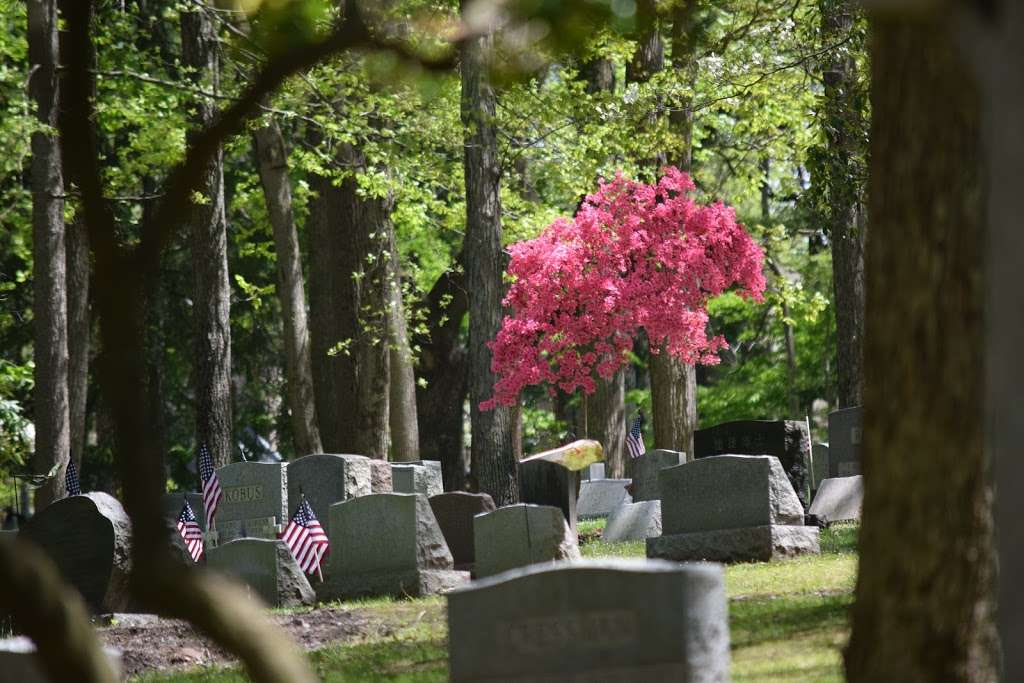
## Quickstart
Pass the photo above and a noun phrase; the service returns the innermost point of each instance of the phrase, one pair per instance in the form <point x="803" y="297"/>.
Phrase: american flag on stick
<point x="71" y="482"/>
<point x="635" y="438"/>
<point x="306" y="539"/>
<point x="212" y="493"/>
<point x="190" y="532"/>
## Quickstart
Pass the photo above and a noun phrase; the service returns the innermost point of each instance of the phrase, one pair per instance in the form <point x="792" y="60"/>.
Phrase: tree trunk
<point x="924" y="600"/>
<point x="79" y="326"/>
<point x="606" y="421"/>
<point x="844" y="129"/>
<point x="50" y="349"/>
<point x="405" y="438"/>
<point x="787" y="326"/>
<point x="599" y="75"/>
<point x="211" y="302"/>
<point x="272" y="160"/>
<point x="443" y="357"/>
<point x="492" y="459"/>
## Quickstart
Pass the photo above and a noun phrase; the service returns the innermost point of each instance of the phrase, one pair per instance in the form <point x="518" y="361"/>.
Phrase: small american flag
<point x="306" y="538"/>
<point x="635" y="439"/>
<point x="190" y="532"/>
<point x="212" y="492"/>
<point x="71" y="483"/>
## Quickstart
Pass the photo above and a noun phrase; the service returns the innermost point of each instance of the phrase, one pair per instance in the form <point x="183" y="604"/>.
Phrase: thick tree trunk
<point x="272" y="161"/>
<point x="599" y="75"/>
<point x="405" y="438"/>
<point x="79" y="328"/>
<point x="844" y="129"/>
<point x="793" y="399"/>
<point x="606" y="422"/>
<point x="924" y="605"/>
<point x="492" y="458"/>
<point x="211" y="301"/>
<point x="50" y="349"/>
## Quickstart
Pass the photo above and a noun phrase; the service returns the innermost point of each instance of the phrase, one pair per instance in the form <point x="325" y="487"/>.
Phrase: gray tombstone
<point x="454" y="512"/>
<point x="839" y="499"/>
<point x="645" y="472"/>
<point x="845" y="431"/>
<point x="787" y="440"/>
<point x="267" y="567"/>
<point x="89" y="538"/>
<point x="388" y="544"/>
<point x="611" y="620"/>
<point x="592" y="472"/>
<point x="326" y="479"/>
<point x="19" y="662"/>
<point x="173" y="502"/>
<point x="633" y="522"/>
<point x="599" y="497"/>
<point x="380" y="476"/>
<point x="549" y="483"/>
<point x="255" y="502"/>
<point x="820" y="462"/>
<point x="423" y="477"/>
<point x="730" y="508"/>
<point x="520" y="535"/>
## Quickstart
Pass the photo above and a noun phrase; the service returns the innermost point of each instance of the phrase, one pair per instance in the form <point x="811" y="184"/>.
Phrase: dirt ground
<point x="149" y="643"/>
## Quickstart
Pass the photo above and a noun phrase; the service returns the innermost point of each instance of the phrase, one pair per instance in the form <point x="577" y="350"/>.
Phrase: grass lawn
<point x="787" y="620"/>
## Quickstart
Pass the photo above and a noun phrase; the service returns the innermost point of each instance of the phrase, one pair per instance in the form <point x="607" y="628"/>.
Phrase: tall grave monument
<point x="255" y="502"/>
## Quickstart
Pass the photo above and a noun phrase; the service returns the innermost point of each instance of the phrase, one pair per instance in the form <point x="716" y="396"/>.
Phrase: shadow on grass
<point x="390" y="660"/>
<point x="753" y="622"/>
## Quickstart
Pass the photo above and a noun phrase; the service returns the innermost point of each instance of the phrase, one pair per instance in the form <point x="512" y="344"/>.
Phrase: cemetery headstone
<point x="380" y="476"/>
<point x="599" y="497"/>
<point x="549" y="483"/>
<point x="645" y="472"/>
<point x="325" y="479"/>
<point x="255" y="503"/>
<point x="173" y="502"/>
<point x="19" y="662"/>
<point x="592" y="472"/>
<point x="89" y="538"/>
<point x="520" y="535"/>
<point x="820" y="460"/>
<point x="845" y="432"/>
<point x="633" y="522"/>
<point x="388" y="544"/>
<point x="267" y="567"/>
<point x="616" y="621"/>
<point x="730" y="508"/>
<point x="454" y="512"/>
<point x="423" y="477"/>
<point x="839" y="499"/>
<point x="787" y="440"/>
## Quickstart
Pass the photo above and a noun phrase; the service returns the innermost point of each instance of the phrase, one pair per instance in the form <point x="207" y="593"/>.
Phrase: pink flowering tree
<point x="636" y="256"/>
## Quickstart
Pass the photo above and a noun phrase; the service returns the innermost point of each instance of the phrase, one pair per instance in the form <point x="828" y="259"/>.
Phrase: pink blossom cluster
<point x="636" y="256"/>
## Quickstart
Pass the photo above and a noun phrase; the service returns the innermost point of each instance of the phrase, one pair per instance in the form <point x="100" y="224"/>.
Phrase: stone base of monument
<point x="19" y="661"/>
<point x="267" y="567"/>
<point x="633" y="522"/>
<point x="748" y="544"/>
<point x="414" y="583"/>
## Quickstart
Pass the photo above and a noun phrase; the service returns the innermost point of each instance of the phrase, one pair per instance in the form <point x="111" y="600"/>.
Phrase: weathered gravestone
<point x="839" y="499"/>
<point x="380" y="476"/>
<point x="845" y="431"/>
<point x="520" y="535"/>
<point x="173" y="502"/>
<point x="454" y="512"/>
<point x="255" y="503"/>
<point x="267" y="567"/>
<point x="787" y="440"/>
<point x="325" y="479"/>
<point x="730" y="508"/>
<point x="599" y="497"/>
<point x="423" y="477"/>
<point x="611" y="621"/>
<point x="645" y="472"/>
<point x="89" y="538"/>
<point x="820" y="461"/>
<point x="19" y="662"/>
<point x="387" y="544"/>
<point x="592" y="472"/>
<point x="549" y="483"/>
<point x="633" y="522"/>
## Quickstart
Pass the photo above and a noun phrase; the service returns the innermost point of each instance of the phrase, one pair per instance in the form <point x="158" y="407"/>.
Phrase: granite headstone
<point x="20" y="663"/>
<point x="645" y="472"/>
<point x="255" y="502"/>
<point x="267" y="567"/>
<point x="633" y="522"/>
<point x="845" y="432"/>
<point x="423" y="477"/>
<point x="454" y="512"/>
<point x="519" y="535"/>
<point x="548" y="483"/>
<point x="380" y="476"/>
<point x="820" y="463"/>
<point x="173" y="502"/>
<point x="600" y="496"/>
<point x="839" y="499"/>
<point x="325" y="479"/>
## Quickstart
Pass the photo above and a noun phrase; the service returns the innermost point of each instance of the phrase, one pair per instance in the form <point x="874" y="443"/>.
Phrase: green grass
<point x="787" y="622"/>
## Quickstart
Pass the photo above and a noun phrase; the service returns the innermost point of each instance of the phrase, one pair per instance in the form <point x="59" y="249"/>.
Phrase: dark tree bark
<point x="272" y="160"/>
<point x="492" y="459"/>
<point x="844" y="132"/>
<point x="211" y="302"/>
<point x="348" y="299"/>
<point x="792" y="398"/>
<point x="599" y="75"/>
<point x="443" y="365"/>
<point x="49" y="288"/>
<point x="405" y="438"/>
<point x="79" y="326"/>
<point x="924" y="607"/>
<point x="606" y="422"/>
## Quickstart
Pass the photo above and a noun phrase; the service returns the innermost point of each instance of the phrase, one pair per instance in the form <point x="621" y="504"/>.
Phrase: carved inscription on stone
<point x="243" y="494"/>
<point x="545" y="635"/>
